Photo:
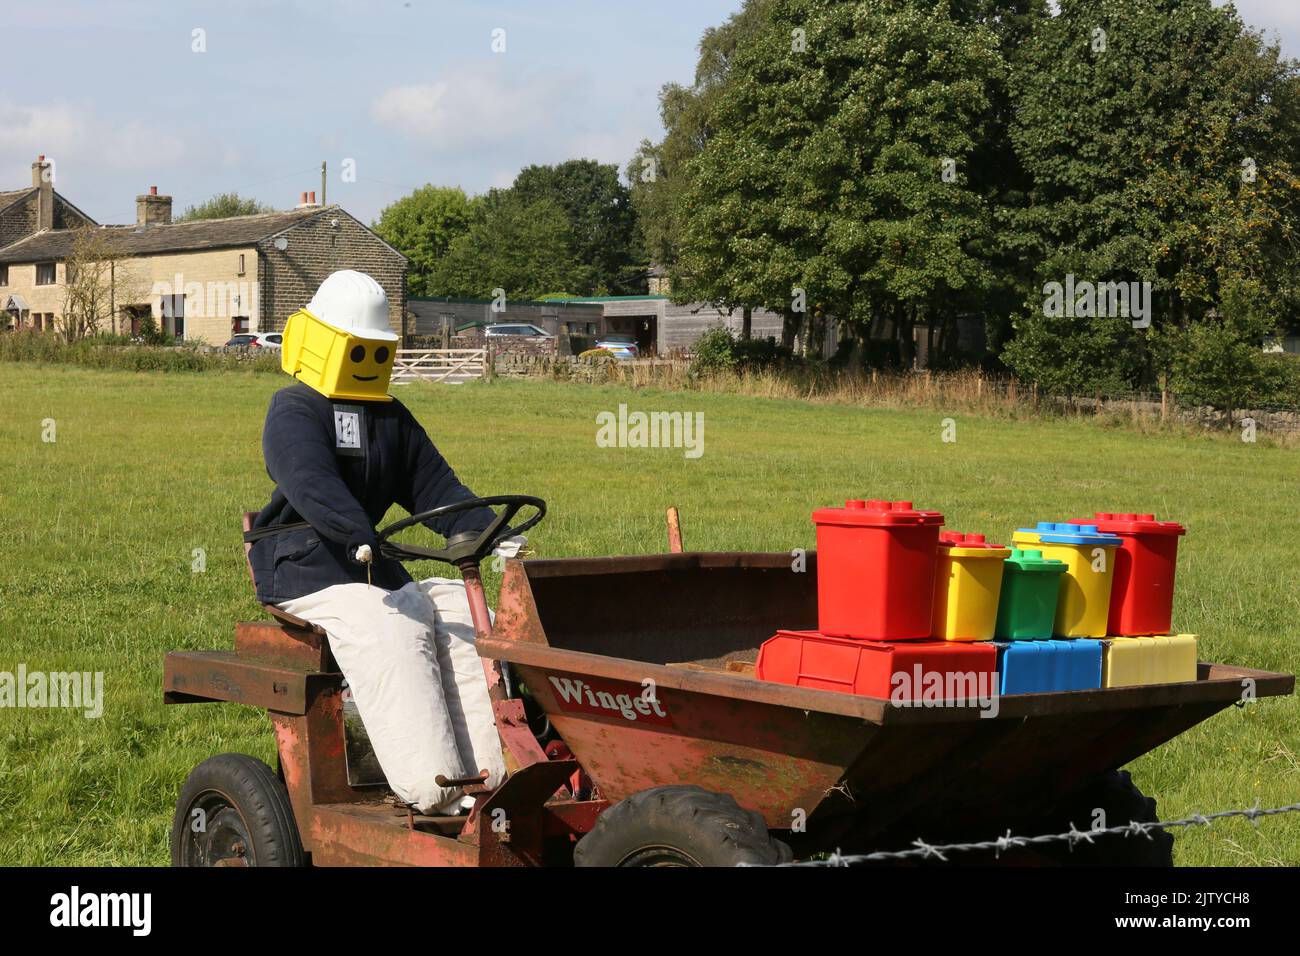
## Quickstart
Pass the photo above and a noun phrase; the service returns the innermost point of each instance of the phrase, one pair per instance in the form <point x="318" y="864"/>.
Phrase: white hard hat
<point x="353" y="302"/>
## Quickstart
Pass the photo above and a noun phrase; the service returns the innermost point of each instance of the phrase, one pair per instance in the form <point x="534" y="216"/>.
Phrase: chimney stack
<point x="43" y="181"/>
<point x="307" y="200"/>
<point x="152" y="209"/>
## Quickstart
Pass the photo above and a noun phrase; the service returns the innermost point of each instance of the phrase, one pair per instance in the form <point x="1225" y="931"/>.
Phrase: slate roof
<point x="11" y="196"/>
<point x="134" y="240"/>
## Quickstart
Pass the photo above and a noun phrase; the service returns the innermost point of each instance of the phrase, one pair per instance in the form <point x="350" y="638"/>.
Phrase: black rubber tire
<point x="1121" y="800"/>
<point x="247" y="805"/>
<point x="679" y="826"/>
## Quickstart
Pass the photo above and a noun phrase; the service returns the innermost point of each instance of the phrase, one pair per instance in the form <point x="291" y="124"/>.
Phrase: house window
<point x="45" y="273"/>
<point x="4" y="275"/>
<point x="241" y="263"/>
<point x="173" y="312"/>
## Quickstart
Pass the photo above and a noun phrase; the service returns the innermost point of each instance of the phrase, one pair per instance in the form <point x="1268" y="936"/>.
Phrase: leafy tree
<point x="523" y="248"/>
<point x="1159" y="136"/>
<point x="423" y="225"/>
<point x="834" y="165"/>
<point x="602" y="223"/>
<point x="224" y="206"/>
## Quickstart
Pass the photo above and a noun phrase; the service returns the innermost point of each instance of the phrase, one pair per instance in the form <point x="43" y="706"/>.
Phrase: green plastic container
<point x="1030" y="587"/>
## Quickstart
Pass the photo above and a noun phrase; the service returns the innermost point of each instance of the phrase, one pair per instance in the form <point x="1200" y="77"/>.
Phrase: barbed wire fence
<point x="922" y="850"/>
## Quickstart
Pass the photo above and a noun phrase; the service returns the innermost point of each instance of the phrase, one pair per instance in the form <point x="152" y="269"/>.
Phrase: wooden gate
<point x="450" y="366"/>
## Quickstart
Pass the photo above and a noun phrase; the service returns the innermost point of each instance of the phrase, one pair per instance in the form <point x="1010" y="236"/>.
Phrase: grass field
<point x="98" y="531"/>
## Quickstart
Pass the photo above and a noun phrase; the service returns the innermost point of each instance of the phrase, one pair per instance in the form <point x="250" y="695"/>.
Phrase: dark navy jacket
<point x="341" y="473"/>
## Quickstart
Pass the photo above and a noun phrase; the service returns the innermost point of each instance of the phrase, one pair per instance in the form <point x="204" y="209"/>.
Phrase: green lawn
<point x="98" y="529"/>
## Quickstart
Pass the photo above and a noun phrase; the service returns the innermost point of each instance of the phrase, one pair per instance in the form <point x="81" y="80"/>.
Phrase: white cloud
<point x="63" y="129"/>
<point x="476" y="106"/>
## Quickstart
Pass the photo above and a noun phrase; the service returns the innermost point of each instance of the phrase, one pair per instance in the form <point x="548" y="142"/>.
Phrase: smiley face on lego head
<point x="341" y="344"/>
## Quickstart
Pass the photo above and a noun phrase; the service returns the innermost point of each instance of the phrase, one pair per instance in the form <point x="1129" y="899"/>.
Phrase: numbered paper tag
<point x="347" y="430"/>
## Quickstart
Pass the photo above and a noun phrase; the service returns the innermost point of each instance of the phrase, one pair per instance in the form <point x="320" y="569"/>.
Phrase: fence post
<point x="1164" y="404"/>
<point x="489" y="361"/>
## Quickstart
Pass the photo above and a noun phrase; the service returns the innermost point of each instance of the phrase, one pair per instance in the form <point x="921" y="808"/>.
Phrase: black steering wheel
<point x="468" y="547"/>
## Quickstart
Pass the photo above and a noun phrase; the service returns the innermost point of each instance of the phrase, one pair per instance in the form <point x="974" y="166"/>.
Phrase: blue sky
<point x="409" y="90"/>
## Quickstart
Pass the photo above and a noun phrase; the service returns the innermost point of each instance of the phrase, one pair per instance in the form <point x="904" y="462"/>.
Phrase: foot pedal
<point x="471" y="785"/>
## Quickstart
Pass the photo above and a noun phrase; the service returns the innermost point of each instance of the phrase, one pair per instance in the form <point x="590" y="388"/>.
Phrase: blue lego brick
<point x="1036" y="667"/>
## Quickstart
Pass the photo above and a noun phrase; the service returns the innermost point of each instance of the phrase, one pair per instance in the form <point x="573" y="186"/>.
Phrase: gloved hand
<point x="509" y="547"/>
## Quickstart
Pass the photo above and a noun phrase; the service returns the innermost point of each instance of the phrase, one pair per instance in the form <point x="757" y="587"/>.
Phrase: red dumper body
<point x="1142" y="595"/>
<point x="876" y="564"/>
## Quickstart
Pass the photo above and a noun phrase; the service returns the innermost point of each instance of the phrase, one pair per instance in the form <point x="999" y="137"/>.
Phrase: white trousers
<point x="409" y="659"/>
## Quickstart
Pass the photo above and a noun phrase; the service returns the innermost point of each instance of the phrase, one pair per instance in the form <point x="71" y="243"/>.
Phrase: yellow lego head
<point x="340" y="344"/>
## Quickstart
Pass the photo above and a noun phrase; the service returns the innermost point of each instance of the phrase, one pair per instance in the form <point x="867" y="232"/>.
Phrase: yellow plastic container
<point x="1089" y="556"/>
<point x="336" y="364"/>
<point x="967" y="587"/>
<point x="1135" y="661"/>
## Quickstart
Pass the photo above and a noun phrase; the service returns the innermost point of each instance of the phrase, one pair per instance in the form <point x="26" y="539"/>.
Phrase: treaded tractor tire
<point x="1117" y="795"/>
<point x="247" y="818"/>
<point x="679" y="826"/>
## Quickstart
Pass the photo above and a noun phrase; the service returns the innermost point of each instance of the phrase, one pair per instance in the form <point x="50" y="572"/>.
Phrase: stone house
<point x="201" y="281"/>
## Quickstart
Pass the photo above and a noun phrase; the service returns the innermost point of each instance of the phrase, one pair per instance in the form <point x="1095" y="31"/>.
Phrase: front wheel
<point x="234" y="811"/>
<point x="679" y="826"/>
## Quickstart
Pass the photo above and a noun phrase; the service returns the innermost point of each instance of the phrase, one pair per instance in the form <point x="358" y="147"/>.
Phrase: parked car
<point x="622" y="347"/>
<point x="263" y="340"/>
<point x="517" y="330"/>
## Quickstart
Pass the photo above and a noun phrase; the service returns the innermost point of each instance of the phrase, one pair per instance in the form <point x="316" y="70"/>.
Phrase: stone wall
<point x="317" y="247"/>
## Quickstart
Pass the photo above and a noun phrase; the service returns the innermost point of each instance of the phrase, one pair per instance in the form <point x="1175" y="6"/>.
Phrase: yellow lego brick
<point x="1135" y="661"/>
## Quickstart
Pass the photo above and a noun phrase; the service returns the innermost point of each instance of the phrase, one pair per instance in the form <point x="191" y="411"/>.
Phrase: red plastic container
<point x="875" y="570"/>
<point x="867" y="668"/>
<point x="1142" y="595"/>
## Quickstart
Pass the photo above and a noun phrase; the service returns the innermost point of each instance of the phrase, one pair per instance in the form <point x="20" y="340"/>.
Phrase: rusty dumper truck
<point x="637" y="734"/>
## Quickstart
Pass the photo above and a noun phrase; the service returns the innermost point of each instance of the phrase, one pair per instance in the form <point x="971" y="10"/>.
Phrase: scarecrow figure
<point x="341" y="452"/>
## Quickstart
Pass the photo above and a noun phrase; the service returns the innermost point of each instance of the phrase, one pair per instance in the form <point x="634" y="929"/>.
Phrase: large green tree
<point x="603" y="227"/>
<point x="423" y="225"/>
<point x="835" y="174"/>
<point x="524" y="248"/>
<point x="1158" y="136"/>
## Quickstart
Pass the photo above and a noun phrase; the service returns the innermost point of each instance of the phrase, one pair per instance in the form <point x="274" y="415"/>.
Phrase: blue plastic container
<point x="1037" y="667"/>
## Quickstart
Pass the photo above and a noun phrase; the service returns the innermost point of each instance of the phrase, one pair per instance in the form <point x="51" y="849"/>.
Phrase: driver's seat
<point x="284" y="617"/>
